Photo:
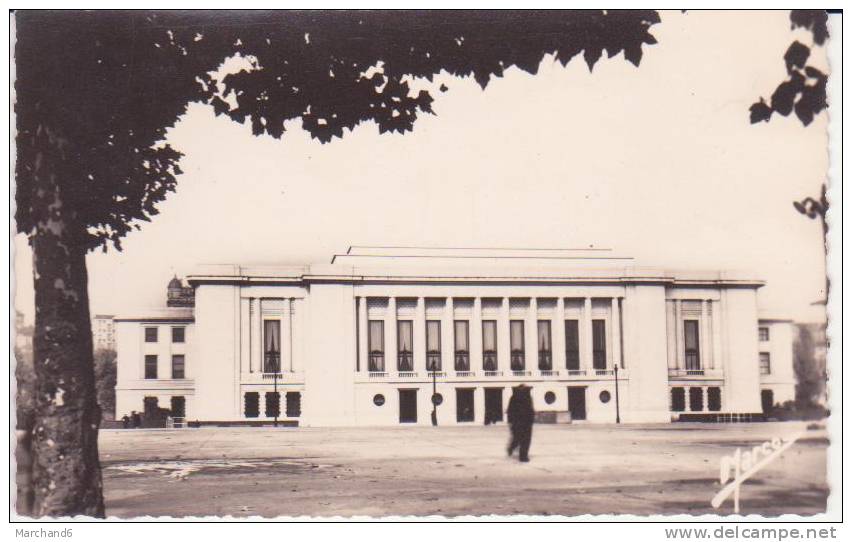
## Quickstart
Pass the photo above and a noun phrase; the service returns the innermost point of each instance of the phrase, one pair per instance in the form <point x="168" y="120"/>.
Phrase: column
<point x="558" y="333"/>
<point x="245" y="336"/>
<point x="503" y="362"/>
<point x="616" y="333"/>
<point x="716" y="335"/>
<point x="679" y="350"/>
<point x="531" y="337"/>
<point x="419" y="344"/>
<point x="390" y="335"/>
<point x="586" y="337"/>
<point x="447" y="344"/>
<point x="475" y="339"/>
<point x="707" y="330"/>
<point x="256" y="337"/>
<point x="287" y="337"/>
<point x="363" y="355"/>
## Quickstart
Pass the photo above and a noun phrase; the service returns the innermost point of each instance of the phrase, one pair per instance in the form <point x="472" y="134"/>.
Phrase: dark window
<point x="690" y="343"/>
<point x="150" y="334"/>
<point x="493" y="405"/>
<point x="678" y="400"/>
<point x="462" y="345"/>
<point x="271" y="346"/>
<point x="714" y="399"/>
<point x="178" y="366"/>
<point x="763" y="332"/>
<point x="599" y="344"/>
<point x="178" y="334"/>
<point x="549" y="397"/>
<point x="404" y="340"/>
<point x="767" y="400"/>
<point x="376" y="344"/>
<point x="489" y="345"/>
<point x="294" y="404"/>
<point x="605" y="396"/>
<point x="464" y="404"/>
<point x="433" y="345"/>
<point x="273" y="404"/>
<point x="178" y="407"/>
<point x="572" y="345"/>
<point x="378" y="399"/>
<point x="150" y="366"/>
<point x="252" y="407"/>
<point x="696" y="399"/>
<point x="545" y="348"/>
<point x="765" y="366"/>
<point x="516" y="341"/>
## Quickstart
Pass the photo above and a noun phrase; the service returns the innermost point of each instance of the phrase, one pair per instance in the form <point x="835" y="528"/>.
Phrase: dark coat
<point x="520" y="410"/>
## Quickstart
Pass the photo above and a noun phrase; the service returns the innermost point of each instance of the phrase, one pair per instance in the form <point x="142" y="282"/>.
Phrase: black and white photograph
<point x="436" y="265"/>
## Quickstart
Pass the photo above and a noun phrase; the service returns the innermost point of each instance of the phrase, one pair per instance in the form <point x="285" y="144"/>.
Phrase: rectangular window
<point x="599" y="344"/>
<point x="433" y="345"/>
<point x="376" y="344"/>
<point x="271" y="346"/>
<point x="516" y="341"/>
<point x="572" y="345"/>
<point x="178" y="367"/>
<point x="763" y="332"/>
<point x="273" y="404"/>
<point x="765" y="366"/>
<point x="489" y="345"/>
<point x="404" y="340"/>
<point x="252" y="404"/>
<point x="150" y="367"/>
<point x="178" y="334"/>
<point x="150" y="334"/>
<point x="461" y="341"/>
<point x="294" y="404"/>
<point x="545" y="352"/>
<point x="690" y="344"/>
<point x="178" y="404"/>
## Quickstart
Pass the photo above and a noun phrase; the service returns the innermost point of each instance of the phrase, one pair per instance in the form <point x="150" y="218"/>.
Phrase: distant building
<point x="179" y="295"/>
<point x="103" y="332"/>
<point x="361" y="340"/>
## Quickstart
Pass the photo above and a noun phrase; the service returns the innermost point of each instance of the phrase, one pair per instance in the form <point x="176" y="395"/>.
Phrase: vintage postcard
<point x="433" y="265"/>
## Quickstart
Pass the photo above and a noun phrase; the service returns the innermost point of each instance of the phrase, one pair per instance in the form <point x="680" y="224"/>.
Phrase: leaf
<point x="796" y="56"/>
<point x="760" y="112"/>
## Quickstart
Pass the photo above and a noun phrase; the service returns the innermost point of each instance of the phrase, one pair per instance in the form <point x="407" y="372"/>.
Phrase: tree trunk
<point x="66" y="473"/>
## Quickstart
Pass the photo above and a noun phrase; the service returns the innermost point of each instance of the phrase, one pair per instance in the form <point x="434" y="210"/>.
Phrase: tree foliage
<point x="804" y="91"/>
<point x="110" y="84"/>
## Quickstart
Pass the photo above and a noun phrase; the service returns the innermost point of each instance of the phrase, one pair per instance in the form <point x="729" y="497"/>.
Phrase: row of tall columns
<point x="251" y="327"/>
<point x="475" y="337"/>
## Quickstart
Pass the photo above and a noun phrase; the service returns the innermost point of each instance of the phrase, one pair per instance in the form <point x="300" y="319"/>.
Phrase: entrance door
<point x="577" y="402"/>
<point x="493" y="405"/>
<point x="407" y="406"/>
<point x="464" y="404"/>
<point x="767" y="400"/>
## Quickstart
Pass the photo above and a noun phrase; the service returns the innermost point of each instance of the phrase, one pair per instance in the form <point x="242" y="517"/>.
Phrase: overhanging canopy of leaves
<point x="805" y="90"/>
<point x="109" y="84"/>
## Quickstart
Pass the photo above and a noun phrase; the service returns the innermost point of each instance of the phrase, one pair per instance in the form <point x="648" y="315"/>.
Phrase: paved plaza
<point x="453" y="471"/>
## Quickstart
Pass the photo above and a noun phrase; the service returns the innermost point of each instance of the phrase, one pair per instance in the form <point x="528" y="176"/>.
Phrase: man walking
<point x="520" y="414"/>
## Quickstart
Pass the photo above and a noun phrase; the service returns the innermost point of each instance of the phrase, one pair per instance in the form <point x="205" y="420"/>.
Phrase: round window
<point x="378" y="399"/>
<point x="437" y="399"/>
<point x="605" y="396"/>
<point x="549" y="397"/>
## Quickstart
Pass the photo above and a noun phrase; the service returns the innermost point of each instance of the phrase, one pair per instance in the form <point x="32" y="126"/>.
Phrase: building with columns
<point x="363" y="340"/>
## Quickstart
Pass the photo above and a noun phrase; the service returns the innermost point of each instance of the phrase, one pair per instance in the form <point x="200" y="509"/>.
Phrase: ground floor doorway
<point x="407" y="406"/>
<point x="767" y="400"/>
<point x="493" y="405"/>
<point x="464" y="404"/>
<point x="577" y="402"/>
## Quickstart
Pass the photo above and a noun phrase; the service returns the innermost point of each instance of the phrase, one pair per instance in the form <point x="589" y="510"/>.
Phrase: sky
<point x="657" y="162"/>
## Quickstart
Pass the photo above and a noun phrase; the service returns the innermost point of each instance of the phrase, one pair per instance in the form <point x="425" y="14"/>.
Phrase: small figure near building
<point x="520" y="416"/>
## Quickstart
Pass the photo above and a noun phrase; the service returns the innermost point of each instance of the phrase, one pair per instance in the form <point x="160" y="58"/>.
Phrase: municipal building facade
<point x="365" y="339"/>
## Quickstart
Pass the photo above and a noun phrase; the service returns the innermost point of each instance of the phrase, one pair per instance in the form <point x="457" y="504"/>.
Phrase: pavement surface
<point x="454" y="471"/>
